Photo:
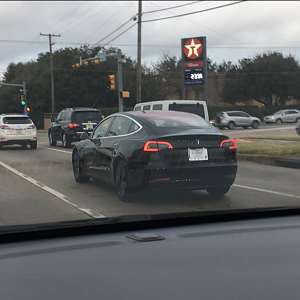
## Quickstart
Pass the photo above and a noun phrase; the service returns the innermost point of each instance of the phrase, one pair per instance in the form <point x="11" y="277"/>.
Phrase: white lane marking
<point x="55" y="149"/>
<point x="59" y="195"/>
<point x="266" y="191"/>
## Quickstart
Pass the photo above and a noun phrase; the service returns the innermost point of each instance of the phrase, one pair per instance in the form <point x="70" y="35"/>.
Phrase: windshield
<point x="279" y="112"/>
<point x="85" y="116"/>
<point x="176" y="137"/>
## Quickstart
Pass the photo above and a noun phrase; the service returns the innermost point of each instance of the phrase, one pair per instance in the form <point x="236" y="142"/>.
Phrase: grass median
<point x="266" y="149"/>
<point x="272" y="138"/>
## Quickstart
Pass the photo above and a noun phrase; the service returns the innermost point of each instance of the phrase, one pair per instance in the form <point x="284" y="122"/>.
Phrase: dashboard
<point x="242" y="259"/>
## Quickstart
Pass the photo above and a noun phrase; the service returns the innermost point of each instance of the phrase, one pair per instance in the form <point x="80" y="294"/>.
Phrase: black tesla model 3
<point x="156" y="151"/>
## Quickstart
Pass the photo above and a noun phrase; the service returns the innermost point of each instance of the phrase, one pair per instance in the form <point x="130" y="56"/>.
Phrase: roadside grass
<point x="292" y="139"/>
<point x="264" y="149"/>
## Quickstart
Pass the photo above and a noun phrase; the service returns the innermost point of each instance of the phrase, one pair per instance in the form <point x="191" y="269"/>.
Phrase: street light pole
<point x="139" y="48"/>
<point x="51" y="71"/>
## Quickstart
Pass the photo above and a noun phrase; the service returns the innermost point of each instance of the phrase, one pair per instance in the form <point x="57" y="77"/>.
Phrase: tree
<point x="268" y="78"/>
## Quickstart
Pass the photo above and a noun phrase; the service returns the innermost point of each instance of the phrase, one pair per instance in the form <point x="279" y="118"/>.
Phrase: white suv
<point x="17" y="129"/>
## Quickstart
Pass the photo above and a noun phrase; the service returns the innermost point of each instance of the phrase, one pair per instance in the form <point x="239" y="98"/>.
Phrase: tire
<point x="297" y="120"/>
<point x="33" y="145"/>
<point x="278" y="121"/>
<point x="65" y="141"/>
<point x="218" y="191"/>
<point x="221" y="127"/>
<point x="77" y="169"/>
<point x="231" y="125"/>
<point x="51" y="141"/>
<point x="255" y="125"/>
<point x="121" y="177"/>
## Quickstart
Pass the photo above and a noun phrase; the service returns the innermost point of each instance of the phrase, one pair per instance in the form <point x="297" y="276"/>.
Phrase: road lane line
<point x="266" y="191"/>
<point x="55" y="149"/>
<point x="57" y="194"/>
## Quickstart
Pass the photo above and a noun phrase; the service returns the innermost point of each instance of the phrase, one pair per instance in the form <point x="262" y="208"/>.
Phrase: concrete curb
<point x="279" y="161"/>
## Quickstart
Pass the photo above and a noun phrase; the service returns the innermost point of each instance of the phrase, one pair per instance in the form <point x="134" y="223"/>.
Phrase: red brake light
<point x="155" y="146"/>
<point x="73" y="125"/>
<point x="31" y="127"/>
<point x="228" y="143"/>
<point x="223" y="117"/>
<point x="4" y="127"/>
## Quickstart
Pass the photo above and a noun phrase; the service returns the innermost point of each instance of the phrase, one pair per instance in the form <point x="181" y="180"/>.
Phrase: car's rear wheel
<point x="218" y="191"/>
<point x="77" y="169"/>
<point x="255" y="125"/>
<point x="65" y="141"/>
<point x="231" y="125"/>
<point x="121" y="181"/>
<point x="33" y="145"/>
<point x="278" y="121"/>
<point x="51" y="141"/>
<point x="298" y="120"/>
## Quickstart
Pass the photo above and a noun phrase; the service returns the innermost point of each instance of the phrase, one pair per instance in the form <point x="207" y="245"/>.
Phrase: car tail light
<point x="73" y="125"/>
<point x="231" y="144"/>
<point x="155" y="146"/>
<point x="4" y="127"/>
<point x="223" y="117"/>
<point x="31" y="127"/>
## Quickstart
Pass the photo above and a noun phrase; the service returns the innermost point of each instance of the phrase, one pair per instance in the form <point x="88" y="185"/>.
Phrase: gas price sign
<point x="193" y="76"/>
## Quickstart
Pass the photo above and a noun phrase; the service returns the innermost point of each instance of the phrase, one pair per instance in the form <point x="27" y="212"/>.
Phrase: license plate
<point x="198" y="154"/>
<point x="89" y="126"/>
<point x="19" y="131"/>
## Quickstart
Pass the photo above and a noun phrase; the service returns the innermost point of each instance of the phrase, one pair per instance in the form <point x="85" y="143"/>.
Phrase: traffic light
<point x="28" y="109"/>
<point x="23" y="100"/>
<point x="85" y="63"/>
<point x="112" y="82"/>
<point x="95" y="62"/>
<point x="76" y="66"/>
<point x="125" y="94"/>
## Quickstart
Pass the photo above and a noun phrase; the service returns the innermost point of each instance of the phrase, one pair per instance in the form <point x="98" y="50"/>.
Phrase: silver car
<point x="232" y="119"/>
<point x="283" y="116"/>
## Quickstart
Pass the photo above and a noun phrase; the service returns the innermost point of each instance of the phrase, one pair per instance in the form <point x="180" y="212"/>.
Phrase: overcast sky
<point x="233" y="32"/>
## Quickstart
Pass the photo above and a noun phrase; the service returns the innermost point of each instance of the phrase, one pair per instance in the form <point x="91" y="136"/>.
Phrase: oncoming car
<point x="156" y="151"/>
<point x="17" y="129"/>
<point x="283" y="116"/>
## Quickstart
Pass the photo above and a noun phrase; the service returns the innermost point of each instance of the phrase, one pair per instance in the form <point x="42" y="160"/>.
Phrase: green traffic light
<point x="23" y="102"/>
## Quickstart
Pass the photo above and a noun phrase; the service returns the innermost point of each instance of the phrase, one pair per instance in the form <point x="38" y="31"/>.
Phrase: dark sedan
<point x="154" y="151"/>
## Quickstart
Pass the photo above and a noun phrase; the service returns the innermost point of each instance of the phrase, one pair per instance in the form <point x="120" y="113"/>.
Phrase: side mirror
<point x="53" y="119"/>
<point x="84" y="136"/>
<point x="96" y="141"/>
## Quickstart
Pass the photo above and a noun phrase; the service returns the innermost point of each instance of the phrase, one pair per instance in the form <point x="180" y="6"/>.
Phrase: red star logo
<point x="192" y="48"/>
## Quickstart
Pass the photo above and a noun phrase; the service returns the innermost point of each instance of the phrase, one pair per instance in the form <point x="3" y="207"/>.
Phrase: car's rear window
<point x="16" y="120"/>
<point x="196" y="108"/>
<point x="176" y="120"/>
<point x="85" y="116"/>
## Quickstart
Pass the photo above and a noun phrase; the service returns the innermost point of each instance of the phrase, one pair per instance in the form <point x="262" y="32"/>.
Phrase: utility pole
<point x="139" y="50"/>
<point x="51" y="71"/>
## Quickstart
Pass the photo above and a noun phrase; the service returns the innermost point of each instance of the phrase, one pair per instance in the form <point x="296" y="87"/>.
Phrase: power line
<point x="90" y="17"/>
<point x="106" y="24"/>
<point x="115" y="31"/>
<point x="120" y="34"/>
<point x="194" y="12"/>
<point x="65" y="16"/>
<point x="158" y="10"/>
<point x="211" y="29"/>
<point x="78" y="17"/>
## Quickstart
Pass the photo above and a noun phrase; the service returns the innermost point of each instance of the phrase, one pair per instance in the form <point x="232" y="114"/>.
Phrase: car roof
<point x="81" y="109"/>
<point x="14" y="115"/>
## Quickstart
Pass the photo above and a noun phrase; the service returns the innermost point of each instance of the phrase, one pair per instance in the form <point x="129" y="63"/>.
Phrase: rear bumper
<point x="192" y="178"/>
<point x="19" y="141"/>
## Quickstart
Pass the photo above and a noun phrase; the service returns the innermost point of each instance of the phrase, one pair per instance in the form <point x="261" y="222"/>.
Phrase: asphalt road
<point x="38" y="186"/>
